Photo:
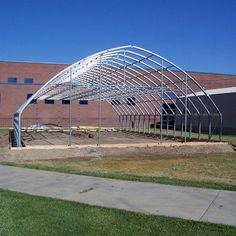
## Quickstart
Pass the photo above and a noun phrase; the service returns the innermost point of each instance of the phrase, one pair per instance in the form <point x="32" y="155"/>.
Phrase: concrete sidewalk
<point x="215" y="206"/>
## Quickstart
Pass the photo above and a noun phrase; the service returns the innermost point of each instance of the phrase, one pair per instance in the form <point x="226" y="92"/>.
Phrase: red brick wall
<point x="213" y="81"/>
<point x="13" y="95"/>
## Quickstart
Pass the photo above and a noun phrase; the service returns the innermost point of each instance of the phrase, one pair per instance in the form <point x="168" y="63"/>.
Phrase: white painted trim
<point x="215" y="91"/>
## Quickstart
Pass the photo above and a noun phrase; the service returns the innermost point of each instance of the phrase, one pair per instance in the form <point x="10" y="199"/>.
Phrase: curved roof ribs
<point x="130" y="72"/>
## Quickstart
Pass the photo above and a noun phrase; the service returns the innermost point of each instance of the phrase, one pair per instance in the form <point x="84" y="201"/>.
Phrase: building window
<point x="131" y="101"/>
<point x="12" y="80"/>
<point x="115" y="102"/>
<point x="49" y="101"/>
<point x="65" y="101"/>
<point x="28" y="81"/>
<point x="83" y="102"/>
<point x="34" y="101"/>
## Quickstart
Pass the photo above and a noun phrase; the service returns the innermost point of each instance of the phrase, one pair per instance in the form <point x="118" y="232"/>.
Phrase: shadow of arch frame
<point x="129" y="72"/>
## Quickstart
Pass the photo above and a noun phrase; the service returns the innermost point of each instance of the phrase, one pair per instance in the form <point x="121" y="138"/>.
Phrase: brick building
<point x="19" y="80"/>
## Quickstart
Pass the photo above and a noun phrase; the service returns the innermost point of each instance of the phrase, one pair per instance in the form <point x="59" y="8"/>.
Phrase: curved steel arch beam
<point x="118" y="58"/>
<point x="131" y="94"/>
<point x="166" y="77"/>
<point x="144" y="75"/>
<point x="120" y="75"/>
<point x="125" y="108"/>
<point x="106" y="75"/>
<point x="189" y="76"/>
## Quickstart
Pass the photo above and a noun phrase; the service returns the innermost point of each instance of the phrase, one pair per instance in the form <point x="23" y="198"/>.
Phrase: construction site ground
<point x="42" y="145"/>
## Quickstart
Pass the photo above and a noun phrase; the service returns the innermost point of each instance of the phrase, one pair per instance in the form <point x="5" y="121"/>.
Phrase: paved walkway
<point x="185" y="202"/>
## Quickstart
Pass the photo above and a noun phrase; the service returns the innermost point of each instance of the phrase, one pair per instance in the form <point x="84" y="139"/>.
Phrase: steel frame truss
<point x="143" y="82"/>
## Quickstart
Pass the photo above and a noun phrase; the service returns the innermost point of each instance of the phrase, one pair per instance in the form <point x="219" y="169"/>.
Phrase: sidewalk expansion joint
<point x="204" y="213"/>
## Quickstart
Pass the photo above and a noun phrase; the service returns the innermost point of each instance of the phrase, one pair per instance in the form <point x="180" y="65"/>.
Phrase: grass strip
<point x="150" y="179"/>
<point x="22" y="214"/>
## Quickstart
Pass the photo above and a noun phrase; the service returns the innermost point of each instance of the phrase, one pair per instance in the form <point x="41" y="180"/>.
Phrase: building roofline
<point x="210" y="73"/>
<point x="32" y="62"/>
<point x="214" y="91"/>
<point x="59" y="63"/>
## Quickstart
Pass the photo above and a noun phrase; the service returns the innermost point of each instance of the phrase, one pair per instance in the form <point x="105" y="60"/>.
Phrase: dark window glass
<point x="168" y="108"/>
<point x="115" y="102"/>
<point x="65" y="101"/>
<point x="49" y="101"/>
<point x="12" y="80"/>
<point x="131" y="101"/>
<point x="34" y="101"/>
<point x="28" y="81"/>
<point x="83" y="102"/>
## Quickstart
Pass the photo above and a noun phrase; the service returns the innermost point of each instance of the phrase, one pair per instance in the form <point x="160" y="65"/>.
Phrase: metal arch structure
<point x="139" y="85"/>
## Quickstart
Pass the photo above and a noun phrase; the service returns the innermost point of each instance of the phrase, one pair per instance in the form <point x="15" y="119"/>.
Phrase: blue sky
<point x="196" y="35"/>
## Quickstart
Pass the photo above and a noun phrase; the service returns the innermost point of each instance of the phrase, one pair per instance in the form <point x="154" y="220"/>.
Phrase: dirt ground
<point x="4" y="139"/>
<point x="85" y="137"/>
<point x="142" y="151"/>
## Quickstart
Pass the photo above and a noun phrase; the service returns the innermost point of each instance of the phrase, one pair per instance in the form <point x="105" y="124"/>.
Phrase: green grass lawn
<point x="216" y="171"/>
<point x="3" y="130"/>
<point x="22" y="214"/>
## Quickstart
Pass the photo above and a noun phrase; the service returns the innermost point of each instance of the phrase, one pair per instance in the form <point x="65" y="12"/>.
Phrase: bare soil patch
<point x="4" y="139"/>
<point x="115" y="145"/>
<point x="79" y="137"/>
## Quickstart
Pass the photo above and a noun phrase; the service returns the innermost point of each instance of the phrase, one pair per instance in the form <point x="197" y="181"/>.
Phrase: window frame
<point x="131" y="101"/>
<point x="14" y="80"/>
<point x="83" y="102"/>
<point x="29" y="79"/>
<point x="34" y="101"/>
<point x="65" y="102"/>
<point x="49" y="101"/>
<point x="115" y="102"/>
